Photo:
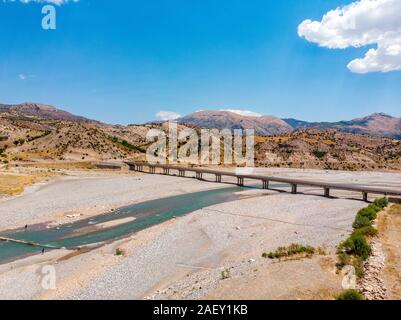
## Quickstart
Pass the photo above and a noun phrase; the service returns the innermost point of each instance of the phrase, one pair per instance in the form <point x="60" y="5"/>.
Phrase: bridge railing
<point x="365" y="190"/>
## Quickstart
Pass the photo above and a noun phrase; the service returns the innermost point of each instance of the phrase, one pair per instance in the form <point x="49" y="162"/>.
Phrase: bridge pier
<point x="365" y="196"/>
<point x="325" y="186"/>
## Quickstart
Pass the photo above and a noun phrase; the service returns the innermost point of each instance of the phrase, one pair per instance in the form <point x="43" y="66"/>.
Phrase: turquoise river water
<point x="146" y="214"/>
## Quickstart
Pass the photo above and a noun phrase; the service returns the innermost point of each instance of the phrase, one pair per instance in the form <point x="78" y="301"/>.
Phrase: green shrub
<point x="350" y="295"/>
<point x="127" y="145"/>
<point x="357" y="263"/>
<point x="225" y="274"/>
<point x="120" y="252"/>
<point x="343" y="259"/>
<point x="357" y="245"/>
<point x="368" y="231"/>
<point x="319" y="154"/>
<point x="381" y="202"/>
<point x="370" y="212"/>
<point x="361" y="221"/>
<point x="356" y="248"/>
<point x="291" y="250"/>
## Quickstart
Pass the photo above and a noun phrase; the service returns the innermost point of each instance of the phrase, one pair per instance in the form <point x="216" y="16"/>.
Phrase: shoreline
<point x="169" y="259"/>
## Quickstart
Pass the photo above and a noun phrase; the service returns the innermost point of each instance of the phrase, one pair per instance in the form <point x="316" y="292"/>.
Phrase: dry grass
<point x="12" y="184"/>
<point x="389" y="226"/>
<point x="62" y="165"/>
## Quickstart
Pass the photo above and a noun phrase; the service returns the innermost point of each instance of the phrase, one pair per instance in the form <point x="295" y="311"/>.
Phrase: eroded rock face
<point x="372" y="284"/>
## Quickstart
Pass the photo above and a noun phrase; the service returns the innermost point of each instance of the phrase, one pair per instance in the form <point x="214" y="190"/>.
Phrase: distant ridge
<point x="40" y="111"/>
<point x="39" y="132"/>
<point x="377" y="124"/>
<point x="263" y="125"/>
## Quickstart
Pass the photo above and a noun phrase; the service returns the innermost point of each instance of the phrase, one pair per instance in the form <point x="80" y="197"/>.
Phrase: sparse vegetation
<point x="361" y="222"/>
<point x="128" y="145"/>
<point x="120" y="252"/>
<point x="350" y="295"/>
<point x="327" y="149"/>
<point x="44" y="134"/>
<point x="356" y="249"/>
<point x="367" y="215"/>
<point x="357" y="245"/>
<point x="225" y="274"/>
<point x="319" y="154"/>
<point x="293" y="250"/>
<point x="11" y="184"/>
<point x="381" y="202"/>
<point x="368" y="231"/>
<point x="63" y="165"/>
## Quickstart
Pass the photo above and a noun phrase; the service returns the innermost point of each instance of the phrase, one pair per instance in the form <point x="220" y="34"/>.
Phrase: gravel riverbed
<point x="168" y="260"/>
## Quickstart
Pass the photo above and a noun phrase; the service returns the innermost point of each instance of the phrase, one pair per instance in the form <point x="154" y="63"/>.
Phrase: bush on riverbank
<point x="293" y="250"/>
<point x="368" y="231"/>
<point x="382" y="202"/>
<point x="367" y="215"/>
<point x="357" y="245"/>
<point x="350" y="295"/>
<point x="356" y="248"/>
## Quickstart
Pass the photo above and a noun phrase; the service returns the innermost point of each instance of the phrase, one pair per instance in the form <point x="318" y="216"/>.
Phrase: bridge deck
<point x="365" y="190"/>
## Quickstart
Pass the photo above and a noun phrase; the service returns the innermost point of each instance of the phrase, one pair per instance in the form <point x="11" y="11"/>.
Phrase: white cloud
<point x="26" y="76"/>
<point x="361" y="23"/>
<point x="56" y="2"/>
<point x="167" y="115"/>
<point x="246" y="113"/>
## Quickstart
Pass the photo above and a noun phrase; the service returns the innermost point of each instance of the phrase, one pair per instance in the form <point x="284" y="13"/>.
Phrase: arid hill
<point x="39" y="132"/>
<point x="328" y="149"/>
<point x="32" y="111"/>
<point x="377" y="124"/>
<point x="265" y="125"/>
<point x="52" y="134"/>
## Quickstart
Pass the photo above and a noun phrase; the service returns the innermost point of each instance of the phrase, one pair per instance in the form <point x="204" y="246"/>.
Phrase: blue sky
<point x="122" y="61"/>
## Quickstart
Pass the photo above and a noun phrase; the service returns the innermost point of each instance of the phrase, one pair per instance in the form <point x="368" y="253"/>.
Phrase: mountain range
<point x="38" y="132"/>
<point x="377" y="124"/>
<point x="40" y="111"/>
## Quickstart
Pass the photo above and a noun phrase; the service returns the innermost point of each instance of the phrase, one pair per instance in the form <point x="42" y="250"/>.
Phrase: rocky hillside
<point x="40" y="132"/>
<point x="265" y="125"/>
<point x="36" y="111"/>
<point x="377" y="124"/>
<point x="328" y="149"/>
<point x="33" y="132"/>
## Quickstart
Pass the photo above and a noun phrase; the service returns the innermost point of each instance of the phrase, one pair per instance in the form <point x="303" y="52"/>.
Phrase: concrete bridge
<point x="294" y="183"/>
